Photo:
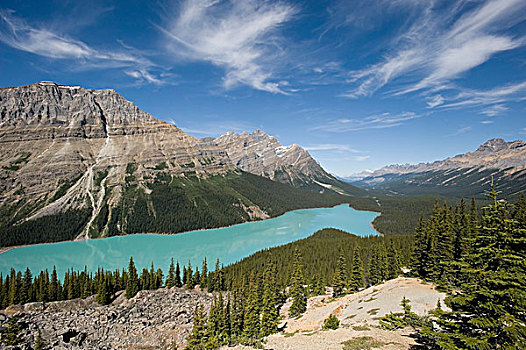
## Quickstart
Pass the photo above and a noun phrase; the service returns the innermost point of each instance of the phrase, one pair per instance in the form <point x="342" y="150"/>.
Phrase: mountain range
<point x="80" y="163"/>
<point x="467" y="174"/>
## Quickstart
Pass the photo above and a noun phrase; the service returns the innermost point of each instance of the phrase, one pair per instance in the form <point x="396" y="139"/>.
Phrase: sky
<point x="359" y="84"/>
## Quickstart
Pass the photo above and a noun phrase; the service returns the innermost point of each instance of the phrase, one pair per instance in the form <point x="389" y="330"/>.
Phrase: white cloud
<point x="443" y="45"/>
<point x="486" y="122"/>
<point x="380" y="121"/>
<point x="461" y="131"/>
<point x="494" y="110"/>
<point x="237" y="35"/>
<point x="331" y="147"/>
<point x="18" y="34"/>
<point x="495" y="96"/>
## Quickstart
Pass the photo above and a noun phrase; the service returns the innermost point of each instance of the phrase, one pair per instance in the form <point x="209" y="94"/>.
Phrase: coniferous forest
<point x="475" y="254"/>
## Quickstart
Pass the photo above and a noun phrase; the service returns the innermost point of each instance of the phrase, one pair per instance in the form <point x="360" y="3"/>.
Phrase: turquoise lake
<point x="229" y="244"/>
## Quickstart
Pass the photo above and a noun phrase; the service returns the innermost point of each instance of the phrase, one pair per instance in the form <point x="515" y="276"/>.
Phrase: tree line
<point x="479" y="258"/>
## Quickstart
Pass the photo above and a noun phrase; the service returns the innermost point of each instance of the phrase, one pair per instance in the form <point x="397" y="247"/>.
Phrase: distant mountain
<point x="261" y="154"/>
<point x="80" y="163"/>
<point x="461" y="175"/>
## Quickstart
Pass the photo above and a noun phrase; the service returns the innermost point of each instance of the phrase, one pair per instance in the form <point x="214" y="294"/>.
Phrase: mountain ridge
<point x="503" y="161"/>
<point x="99" y="157"/>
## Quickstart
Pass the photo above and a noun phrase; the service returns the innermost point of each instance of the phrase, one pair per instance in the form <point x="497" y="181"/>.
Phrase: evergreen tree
<point x="189" y="281"/>
<point x="39" y="343"/>
<point x="489" y="310"/>
<point x="297" y="289"/>
<point x="177" y="282"/>
<point x="339" y="281"/>
<point x="103" y="295"/>
<point x="195" y="340"/>
<point x="203" y="282"/>
<point x="251" y="322"/>
<point x="26" y="290"/>
<point x="132" y="285"/>
<point x="357" y="274"/>
<point x="270" y="310"/>
<point x="170" y="281"/>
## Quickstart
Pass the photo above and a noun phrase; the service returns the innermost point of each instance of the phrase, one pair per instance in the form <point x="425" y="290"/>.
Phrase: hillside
<point x="79" y="163"/>
<point x="465" y="175"/>
<point x="261" y="154"/>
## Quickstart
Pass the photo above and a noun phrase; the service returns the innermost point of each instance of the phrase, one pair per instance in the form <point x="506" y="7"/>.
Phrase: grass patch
<point x="361" y="328"/>
<point x="362" y="343"/>
<point x="370" y="299"/>
<point x="288" y="335"/>
<point x="373" y="312"/>
<point x="350" y="317"/>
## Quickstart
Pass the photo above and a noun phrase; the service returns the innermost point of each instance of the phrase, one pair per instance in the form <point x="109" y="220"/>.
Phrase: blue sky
<point x="360" y="84"/>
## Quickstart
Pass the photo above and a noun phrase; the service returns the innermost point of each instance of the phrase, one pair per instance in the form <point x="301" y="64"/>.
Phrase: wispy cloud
<point x="495" y="110"/>
<point x="461" y="131"/>
<point x="331" y="147"/>
<point x="380" y="121"/>
<point x="17" y="33"/>
<point x="240" y="36"/>
<point x="486" y="122"/>
<point x="443" y="45"/>
<point x="491" y="100"/>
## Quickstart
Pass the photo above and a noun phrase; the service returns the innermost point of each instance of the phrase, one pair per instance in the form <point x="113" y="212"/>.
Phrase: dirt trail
<point x="358" y="314"/>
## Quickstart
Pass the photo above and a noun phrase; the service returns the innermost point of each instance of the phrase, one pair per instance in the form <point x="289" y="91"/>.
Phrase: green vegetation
<point x="331" y="322"/>
<point x="362" y="343"/>
<point x="16" y="164"/>
<point x="99" y="176"/>
<point x="381" y="257"/>
<point x="11" y="334"/>
<point x="64" y="186"/>
<point x="180" y="203"/>
<point x="51" y="228"/>
<point x="393" y="321"/>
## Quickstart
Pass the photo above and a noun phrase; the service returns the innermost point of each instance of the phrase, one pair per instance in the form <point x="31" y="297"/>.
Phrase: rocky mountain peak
<point x="493" y="145"/>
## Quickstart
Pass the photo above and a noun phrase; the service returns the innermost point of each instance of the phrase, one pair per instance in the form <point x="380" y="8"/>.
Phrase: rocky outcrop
<point x="466" y="174"/>
<point x="160" y="319"/>
<point x="493" y="154"/>
<point x="261" y="154"/>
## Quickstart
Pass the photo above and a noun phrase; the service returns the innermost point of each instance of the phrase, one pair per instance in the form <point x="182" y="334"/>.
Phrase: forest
<point x="476" y="255"/>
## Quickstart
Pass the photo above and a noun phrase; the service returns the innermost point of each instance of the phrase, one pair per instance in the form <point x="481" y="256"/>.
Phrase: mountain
<point x="461" y="175"/>
<point x="261" y="154"/>
<point x="80" y="163"/>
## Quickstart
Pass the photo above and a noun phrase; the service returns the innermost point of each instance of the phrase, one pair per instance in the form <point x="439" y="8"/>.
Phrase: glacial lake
<point x="229" y="244"/>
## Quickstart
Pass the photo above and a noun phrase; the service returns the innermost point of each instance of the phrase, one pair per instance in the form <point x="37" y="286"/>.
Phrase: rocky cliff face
<point x="503" y="161"/>
<point x="63" y="147"/>
<point x="493" y="154"/>
<point x="261" y="154"/>
<point x="116" y="169"/>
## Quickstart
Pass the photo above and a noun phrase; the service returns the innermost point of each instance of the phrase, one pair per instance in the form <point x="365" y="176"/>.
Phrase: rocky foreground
<point x="162" y="319"/>
<point x="159" y="319"/>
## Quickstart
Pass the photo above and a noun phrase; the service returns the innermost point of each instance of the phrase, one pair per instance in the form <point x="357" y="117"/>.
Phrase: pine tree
<point x="195" y="340"/>
<point x="170" y="281"/>
<point x="203" y="282"/>
<point x="39" y="343"/>
<point x="103" y="297"/>
<point x="251" y="322"/>
<point x="270" y="310"/>
<point x="339" y="281"/>
<point x="177" y="282"/>
<point x="356" y="280"/>
<point x="297" y="289"/>
<point x="489" y="310"/>
<point x="132" y="285"/>
<point x="420" y="256"/>
<point x="26" y="290"/>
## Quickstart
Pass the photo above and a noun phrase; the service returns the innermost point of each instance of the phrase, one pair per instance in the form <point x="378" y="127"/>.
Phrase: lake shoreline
<point x="6" y="249"/>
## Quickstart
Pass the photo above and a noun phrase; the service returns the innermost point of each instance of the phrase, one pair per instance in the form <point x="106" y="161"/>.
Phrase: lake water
<point x="229" y="244"/>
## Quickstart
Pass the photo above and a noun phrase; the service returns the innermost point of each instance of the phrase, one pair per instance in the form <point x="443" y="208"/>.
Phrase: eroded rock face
<point x="88" y="141"/>
<point x="261" y="154"/>
<point x="493" y="154"/>
<point x="160" y="319"/>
